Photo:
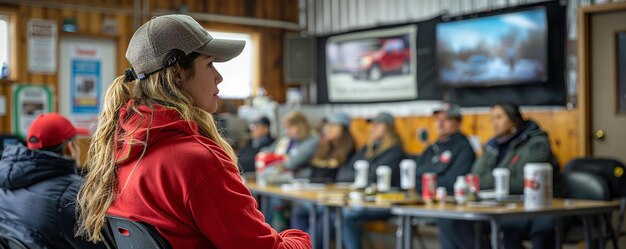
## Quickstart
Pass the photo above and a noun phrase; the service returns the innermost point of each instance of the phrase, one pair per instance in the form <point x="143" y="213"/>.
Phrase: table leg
<point x="495" y="234"/>
<point x="478" y="229"/>
<point x="338" y="228"/>
<point x="313" y="224"/>
<point x="602" y="231"/>
<point x="265" y="207"/>
<point x="558" y="230"/>
<point x="326" y="226"/>
<point x="407" y="232"/>
<point x="587" y="232"/>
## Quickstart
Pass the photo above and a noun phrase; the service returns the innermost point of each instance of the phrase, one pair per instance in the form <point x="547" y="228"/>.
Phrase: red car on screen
<point x="392" y="56"/>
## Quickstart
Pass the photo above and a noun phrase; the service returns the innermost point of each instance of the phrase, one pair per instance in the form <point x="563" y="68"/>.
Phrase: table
<point x="495" y="215"/>
<point x="307" y="196"/>
<point x="315" y="197"/>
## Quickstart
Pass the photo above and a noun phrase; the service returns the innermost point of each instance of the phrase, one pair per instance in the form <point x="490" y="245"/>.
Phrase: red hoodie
<point x="187" y="187"/>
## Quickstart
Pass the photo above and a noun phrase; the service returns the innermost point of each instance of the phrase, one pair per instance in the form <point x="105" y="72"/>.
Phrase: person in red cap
<point x="38" y="186"/>
<point x="157" y="156"/>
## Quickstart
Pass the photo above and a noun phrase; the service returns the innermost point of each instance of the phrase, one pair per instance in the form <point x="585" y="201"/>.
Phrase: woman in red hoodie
<point x="157" y="156"/>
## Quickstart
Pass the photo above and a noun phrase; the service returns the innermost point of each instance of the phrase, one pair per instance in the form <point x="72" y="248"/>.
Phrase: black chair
<point x="8" y="242"/>
<point x="588" y="186"/>
<point x="122" y="233"/>
<point x="609" y="170"/>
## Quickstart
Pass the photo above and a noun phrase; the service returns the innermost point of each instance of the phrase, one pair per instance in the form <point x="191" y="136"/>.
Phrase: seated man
<point x="38" y="186"/>
<point x="449" y="157"/>
<point x="259" y="137"/>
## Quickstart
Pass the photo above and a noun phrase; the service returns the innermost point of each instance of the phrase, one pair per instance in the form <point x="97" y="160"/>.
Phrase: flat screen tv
<point x="503" y="49"/>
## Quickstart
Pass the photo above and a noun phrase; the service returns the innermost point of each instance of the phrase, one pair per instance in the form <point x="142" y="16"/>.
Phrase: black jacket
<point x="529" y="145"/>
<point x="38" y="198"/>
<point x="448" y="160"/>
<point x="248" y="152"/>
<point x="390" y="157"/>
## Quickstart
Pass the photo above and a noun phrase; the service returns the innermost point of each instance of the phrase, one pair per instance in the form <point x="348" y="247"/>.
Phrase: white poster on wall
<point x="372" y="66"/>
<point x="42" y="46"/>
<point x="87" y="67"/>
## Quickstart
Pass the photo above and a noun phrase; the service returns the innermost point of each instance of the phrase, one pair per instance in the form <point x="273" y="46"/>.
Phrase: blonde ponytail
<point x="98" y="191"/>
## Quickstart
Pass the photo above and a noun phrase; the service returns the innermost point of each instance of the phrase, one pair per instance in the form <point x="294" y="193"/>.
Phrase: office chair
<point x="613" y="172"/>
<point x="8" y="242"/>
<point x="122" y="233"/>
<point x="588" y="186"/>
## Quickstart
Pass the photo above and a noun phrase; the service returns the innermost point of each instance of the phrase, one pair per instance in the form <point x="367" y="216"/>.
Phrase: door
<point x="608" y="128"/>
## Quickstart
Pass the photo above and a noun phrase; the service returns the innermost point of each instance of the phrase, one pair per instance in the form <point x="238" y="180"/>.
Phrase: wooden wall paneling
<point x="23" y="36"/>
<point x="359" y="128"/>
<point x="94" y="23"/>
<point x="290" y="10"/>
<point x="563" y="132"/>
<point x="82" y="21"/>
<point x="408" y="130"/>
<point x="53" y="79"/>
<point x="126" y="31"/>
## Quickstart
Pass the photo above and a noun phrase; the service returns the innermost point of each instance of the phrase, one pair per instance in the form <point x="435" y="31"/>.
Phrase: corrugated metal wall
<point x="320" y="17"/>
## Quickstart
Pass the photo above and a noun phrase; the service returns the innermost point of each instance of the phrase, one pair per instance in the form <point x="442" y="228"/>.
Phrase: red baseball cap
<point x="51" y="129"/>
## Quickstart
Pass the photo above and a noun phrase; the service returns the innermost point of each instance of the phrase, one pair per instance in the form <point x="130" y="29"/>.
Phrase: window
<point x="4" y="45"/>
<point x="238" y="72"/>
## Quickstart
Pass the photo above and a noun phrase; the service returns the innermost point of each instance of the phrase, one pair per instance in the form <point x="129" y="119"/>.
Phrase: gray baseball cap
<point x="451" y="110"/>
<point x="339" y="118"/>
<point x="383" y="117"/>
<point x="165" y="39"/>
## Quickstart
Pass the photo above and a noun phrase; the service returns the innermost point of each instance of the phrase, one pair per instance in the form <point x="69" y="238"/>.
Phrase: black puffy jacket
<point x="38" y="198"/>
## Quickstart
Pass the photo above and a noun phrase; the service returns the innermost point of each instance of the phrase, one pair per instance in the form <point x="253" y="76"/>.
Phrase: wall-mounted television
<point x="489" y="49"/>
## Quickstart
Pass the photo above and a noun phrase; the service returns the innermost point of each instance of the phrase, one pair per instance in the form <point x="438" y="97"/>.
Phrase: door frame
<point x="584" y="72"/>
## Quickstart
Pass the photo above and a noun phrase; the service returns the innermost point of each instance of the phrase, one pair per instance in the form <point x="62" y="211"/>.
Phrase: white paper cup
<point x="501" y="178"/>
<point x="383" y="182"/>
<point x="361" y="168"/>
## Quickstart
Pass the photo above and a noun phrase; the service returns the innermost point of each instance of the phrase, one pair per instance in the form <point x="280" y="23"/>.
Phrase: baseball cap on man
<point x="51" y="129"/>
<point x="383" y="117"/>
<point x="262" y="121"/>
<point x="451" y="110"/>
<point x="162" y="41"/>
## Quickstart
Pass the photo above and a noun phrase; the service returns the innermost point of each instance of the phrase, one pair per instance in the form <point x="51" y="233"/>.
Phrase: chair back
<point x="8" y="242"/>
<point x="123" y="233"/>
<point x="611" y="170"/>
<point x="586" y="185"/>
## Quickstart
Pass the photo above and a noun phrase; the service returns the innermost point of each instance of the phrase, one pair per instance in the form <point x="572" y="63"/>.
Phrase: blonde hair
<point x="390" y="139"/>
<point x="99" y="189"/>
<point x="299" y="120"/>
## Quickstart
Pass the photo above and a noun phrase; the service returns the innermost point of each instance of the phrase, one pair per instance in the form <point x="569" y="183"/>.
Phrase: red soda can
<point x="429" y="186"/>
<point x="473" y="181"/>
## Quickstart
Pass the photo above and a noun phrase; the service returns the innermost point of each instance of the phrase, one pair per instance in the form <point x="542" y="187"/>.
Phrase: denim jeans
<point x="353" y="225"/>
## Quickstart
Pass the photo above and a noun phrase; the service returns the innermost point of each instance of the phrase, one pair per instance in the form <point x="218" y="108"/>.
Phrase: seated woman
<point x="383" y="148"/>
<point x="157" y="156"/>
<point x="298" y="144"/>
<point x="336" y="147"/>
<point x="516" y="142"/>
